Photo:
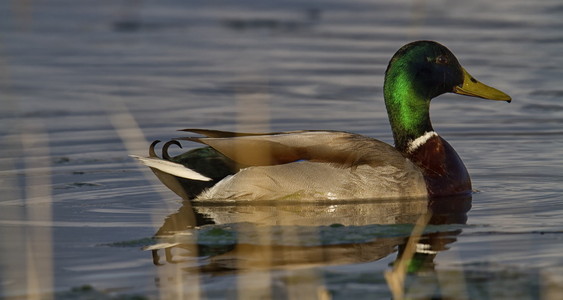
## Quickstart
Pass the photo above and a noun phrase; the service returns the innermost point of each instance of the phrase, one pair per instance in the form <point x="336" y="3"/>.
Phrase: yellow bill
<point x="474" y="88"/>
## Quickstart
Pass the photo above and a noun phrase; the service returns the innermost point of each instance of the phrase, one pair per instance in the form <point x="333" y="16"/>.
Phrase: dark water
<point x="83" y="84"/>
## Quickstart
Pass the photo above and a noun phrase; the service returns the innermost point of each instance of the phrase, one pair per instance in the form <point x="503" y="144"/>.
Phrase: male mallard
<point x="329" y="165"/>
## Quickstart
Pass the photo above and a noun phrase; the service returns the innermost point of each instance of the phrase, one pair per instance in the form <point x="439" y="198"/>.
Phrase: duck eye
<point x="442" y="59"/>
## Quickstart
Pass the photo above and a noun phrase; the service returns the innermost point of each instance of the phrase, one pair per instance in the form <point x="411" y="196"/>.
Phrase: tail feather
<point x="172" y="168"/>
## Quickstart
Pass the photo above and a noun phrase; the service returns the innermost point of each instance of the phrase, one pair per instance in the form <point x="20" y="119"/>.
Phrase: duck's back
<point x="335" y="165"/>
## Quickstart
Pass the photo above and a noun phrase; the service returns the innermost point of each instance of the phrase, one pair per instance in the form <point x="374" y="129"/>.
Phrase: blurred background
<point x="84" y="84"/>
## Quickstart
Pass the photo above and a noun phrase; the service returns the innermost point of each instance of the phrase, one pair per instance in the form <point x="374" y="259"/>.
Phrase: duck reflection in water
<point x="226" y="238"/>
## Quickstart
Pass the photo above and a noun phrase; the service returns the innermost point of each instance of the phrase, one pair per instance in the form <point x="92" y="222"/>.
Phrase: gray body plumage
<point x="316" y="180"/>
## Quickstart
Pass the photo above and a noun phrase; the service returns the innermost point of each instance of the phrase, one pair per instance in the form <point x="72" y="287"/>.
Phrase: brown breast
<point x="443" y="170"/>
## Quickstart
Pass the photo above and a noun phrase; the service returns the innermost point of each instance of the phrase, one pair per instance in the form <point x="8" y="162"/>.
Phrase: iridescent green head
<point x="418" y="72"/>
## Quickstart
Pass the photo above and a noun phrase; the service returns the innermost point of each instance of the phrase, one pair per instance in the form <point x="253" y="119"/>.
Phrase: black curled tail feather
<point x="205" y="161"/>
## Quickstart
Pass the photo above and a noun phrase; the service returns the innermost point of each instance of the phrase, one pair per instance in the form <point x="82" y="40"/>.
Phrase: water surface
<point x="84" y="84"/>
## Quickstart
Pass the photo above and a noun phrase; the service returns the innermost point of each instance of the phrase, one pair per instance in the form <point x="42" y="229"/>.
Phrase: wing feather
<point x="341" y="148"/>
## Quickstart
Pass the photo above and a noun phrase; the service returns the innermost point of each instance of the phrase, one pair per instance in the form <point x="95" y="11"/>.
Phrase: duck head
<point x="417" y="73"/>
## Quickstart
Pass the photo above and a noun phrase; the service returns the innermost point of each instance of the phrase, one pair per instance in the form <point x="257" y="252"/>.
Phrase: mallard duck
<point x="334" y="165"/>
